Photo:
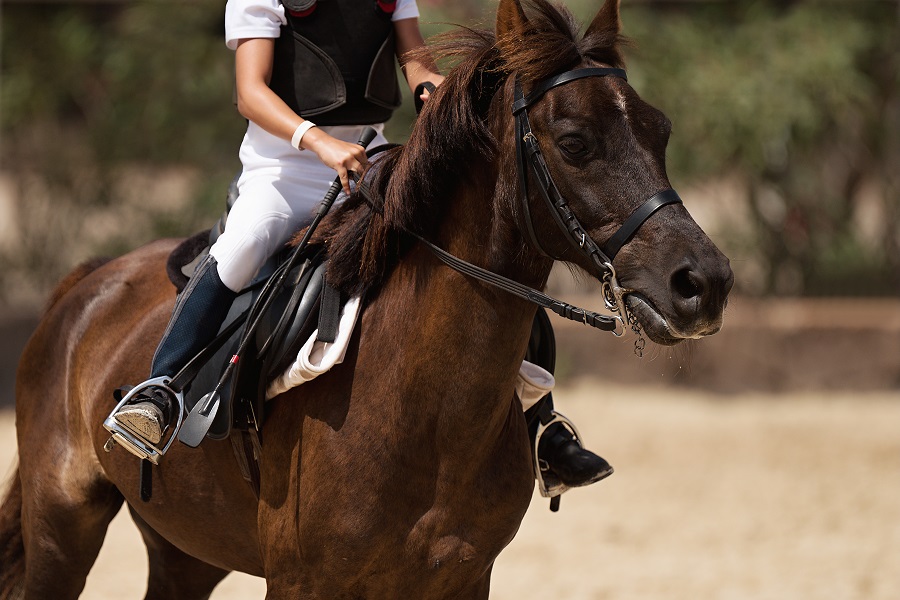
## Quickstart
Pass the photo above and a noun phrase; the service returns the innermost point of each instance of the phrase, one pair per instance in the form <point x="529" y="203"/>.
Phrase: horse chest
<point x="407" y="512"/>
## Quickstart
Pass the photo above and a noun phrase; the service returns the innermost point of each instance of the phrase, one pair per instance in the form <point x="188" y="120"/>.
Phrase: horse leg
<point x="175" y="575"/>
<point x="479" y="590"/>
<point x="64" y="522"/>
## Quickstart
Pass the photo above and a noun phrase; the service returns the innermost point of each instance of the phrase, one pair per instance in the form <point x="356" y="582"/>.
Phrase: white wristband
<point x="302" y="128"/>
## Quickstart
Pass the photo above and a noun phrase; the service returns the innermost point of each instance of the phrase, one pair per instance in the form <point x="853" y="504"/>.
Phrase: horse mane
<point x="413" y="184"/>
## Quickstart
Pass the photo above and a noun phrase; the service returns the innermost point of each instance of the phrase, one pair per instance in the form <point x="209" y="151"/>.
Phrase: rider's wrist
<point x="301" y="130"/>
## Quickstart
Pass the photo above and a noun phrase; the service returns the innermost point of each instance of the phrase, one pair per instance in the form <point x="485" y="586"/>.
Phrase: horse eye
<point x="572" y="147"/>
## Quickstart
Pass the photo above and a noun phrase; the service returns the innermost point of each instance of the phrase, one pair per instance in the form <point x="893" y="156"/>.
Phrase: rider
<point x="296" y="61"/>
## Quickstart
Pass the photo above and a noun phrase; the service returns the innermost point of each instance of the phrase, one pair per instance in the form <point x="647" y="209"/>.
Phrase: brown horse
<point x="403" y="472"/>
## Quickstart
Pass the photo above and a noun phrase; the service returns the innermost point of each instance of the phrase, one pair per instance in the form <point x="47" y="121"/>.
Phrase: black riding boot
<point x="199" y="312"/>
<point x="562" y="455"/>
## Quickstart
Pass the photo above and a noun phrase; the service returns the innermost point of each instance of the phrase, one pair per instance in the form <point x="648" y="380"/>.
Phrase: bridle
<point x="528" y="154"/>
<point x="530" y="160"/>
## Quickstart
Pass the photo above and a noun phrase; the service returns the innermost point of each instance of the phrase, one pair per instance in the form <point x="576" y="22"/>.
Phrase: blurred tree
<point x="799" y="100"/>
<point x="111" y="110"/>
<point x="103" y="103"/>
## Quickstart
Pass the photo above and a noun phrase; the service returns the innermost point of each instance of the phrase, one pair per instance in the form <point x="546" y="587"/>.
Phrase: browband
<point x="548" y="84"/>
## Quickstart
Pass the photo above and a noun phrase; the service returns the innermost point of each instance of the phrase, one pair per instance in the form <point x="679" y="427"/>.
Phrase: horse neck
<point x="490" y="327"/>
<point x="479" y="227"/>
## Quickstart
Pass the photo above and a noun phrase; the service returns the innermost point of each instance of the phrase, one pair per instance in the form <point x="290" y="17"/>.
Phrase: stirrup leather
<point x="551" y="487"/>
<point x="131" y="440"/>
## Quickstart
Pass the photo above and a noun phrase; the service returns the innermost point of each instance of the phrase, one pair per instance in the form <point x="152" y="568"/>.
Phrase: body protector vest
<point x="335" y="62"/>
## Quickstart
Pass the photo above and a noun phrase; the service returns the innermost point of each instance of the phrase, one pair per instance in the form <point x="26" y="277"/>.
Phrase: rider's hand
<point x="436" y="80"/>
<point x="341" y="156"/>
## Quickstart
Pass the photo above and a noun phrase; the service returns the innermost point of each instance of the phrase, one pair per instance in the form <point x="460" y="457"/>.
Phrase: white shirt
<point x="264" y="18"/>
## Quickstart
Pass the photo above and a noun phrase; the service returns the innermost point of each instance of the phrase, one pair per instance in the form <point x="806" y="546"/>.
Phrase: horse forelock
<point x="415" y="183"/>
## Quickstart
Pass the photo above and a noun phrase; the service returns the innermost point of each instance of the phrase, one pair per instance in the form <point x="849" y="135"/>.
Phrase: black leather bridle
<point x="531" y="160"/>
<point x="528" y="154"/>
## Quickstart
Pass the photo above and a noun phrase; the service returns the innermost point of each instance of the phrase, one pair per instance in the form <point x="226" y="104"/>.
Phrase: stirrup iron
<point x="131" y="440"/>
<point x="554" y="487"/>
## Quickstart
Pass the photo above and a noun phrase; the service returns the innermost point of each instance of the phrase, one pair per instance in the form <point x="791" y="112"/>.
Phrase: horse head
<point x="604" y="153"/>
<point x="550" y="155"/>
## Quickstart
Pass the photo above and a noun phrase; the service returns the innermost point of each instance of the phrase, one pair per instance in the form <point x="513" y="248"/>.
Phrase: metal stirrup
<point x="130" y="440"/>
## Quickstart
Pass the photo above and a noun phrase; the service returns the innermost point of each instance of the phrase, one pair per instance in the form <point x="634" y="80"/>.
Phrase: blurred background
<point x="117" y="127"/>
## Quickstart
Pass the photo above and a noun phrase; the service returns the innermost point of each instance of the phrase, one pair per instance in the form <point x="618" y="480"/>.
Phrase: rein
<point x="568" y="311"/>
<point x="528" y="154"/>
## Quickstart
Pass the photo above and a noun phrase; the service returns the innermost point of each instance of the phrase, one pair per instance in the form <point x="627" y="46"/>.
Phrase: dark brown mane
<point x="417" y="180"/>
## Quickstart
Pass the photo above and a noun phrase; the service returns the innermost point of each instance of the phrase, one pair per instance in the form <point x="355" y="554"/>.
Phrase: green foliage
<point x="748" y="89"/>
<point x="138" y="82"/>
<point x="798" y="102"/>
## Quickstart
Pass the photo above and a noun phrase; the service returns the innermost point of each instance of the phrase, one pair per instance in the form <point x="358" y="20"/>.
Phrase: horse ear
<point x="607" y="20"/>
<point x="510" y="18"/>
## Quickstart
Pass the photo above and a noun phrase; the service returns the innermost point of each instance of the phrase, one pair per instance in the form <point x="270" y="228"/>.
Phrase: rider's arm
<point x="421" y="68"/>
<point x="258" y="103"/>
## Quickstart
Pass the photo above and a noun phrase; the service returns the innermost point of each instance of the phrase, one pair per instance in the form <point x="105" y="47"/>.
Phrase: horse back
<point x="93" y="311"/>
<point x="76" y="275"/>
<point x="100" y="332"/>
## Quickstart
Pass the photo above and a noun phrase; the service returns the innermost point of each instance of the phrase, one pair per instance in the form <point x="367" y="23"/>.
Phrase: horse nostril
<point x="687" y="283"/>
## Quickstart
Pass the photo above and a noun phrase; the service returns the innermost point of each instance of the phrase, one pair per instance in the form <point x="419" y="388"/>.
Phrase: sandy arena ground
<point x="731" y="498"/>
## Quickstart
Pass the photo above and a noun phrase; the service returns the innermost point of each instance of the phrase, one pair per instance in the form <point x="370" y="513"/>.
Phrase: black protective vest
<point x="336" y="66"/>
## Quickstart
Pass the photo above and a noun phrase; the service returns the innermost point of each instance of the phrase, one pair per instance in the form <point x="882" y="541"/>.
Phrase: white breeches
<point x="277" y="196"/>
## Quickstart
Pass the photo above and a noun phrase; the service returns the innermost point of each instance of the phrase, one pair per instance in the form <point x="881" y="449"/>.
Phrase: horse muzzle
<point x="691" y="306"/>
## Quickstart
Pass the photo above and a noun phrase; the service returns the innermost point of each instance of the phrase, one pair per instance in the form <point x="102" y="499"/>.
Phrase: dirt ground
<point x="739" y="497"/>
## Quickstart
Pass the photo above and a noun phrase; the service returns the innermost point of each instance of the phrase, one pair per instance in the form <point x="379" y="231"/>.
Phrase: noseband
<point x="528" y="155"/>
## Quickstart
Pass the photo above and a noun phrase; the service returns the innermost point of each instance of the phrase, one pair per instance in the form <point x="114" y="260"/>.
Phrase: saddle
<point x="296" y="311"/>
<point x="303" y="304"/>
